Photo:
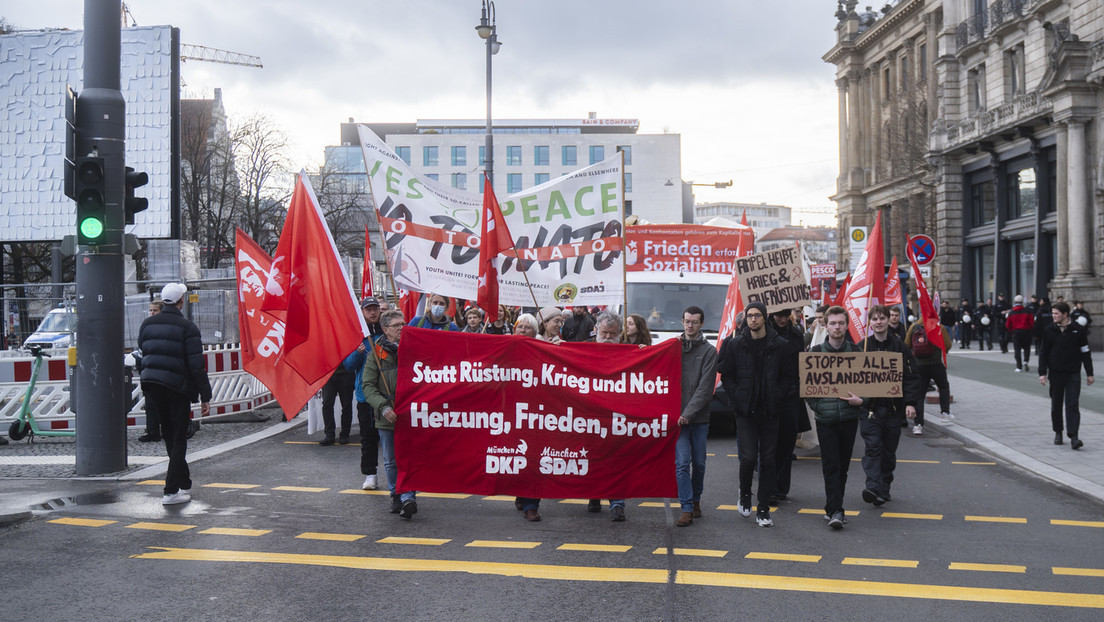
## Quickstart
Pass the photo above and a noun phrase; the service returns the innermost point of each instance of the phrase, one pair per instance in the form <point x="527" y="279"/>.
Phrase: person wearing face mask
<point x="435" y="317"/>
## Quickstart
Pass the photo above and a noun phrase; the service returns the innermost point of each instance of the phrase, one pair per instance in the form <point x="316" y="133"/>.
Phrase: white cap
<point x="173" y="292"/>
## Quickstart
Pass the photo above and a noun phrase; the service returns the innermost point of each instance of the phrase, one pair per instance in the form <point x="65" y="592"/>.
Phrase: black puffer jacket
<point x="912" y="390"/>
<point x="738" y="372"/>
<point x="172" y="354"/>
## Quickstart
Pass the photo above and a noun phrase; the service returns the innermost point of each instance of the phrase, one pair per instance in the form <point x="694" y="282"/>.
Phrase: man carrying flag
<point x="929" y="341"/>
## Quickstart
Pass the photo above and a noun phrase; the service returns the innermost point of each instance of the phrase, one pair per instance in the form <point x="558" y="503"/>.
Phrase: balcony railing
<point x="1002" y="11"/>
<point x="971" y="30"/>
<point x="988" y="122"/>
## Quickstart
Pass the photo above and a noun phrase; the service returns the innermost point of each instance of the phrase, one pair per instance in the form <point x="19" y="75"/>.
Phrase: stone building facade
<point x="978" y="122"/>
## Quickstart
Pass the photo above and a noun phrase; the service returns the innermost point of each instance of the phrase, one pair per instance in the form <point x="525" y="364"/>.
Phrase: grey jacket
<point x="699" y="376"/>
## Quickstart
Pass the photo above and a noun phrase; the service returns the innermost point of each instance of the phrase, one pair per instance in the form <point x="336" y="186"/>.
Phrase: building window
<point x="432" y="176"/>
<point x="513" y="183"/>
<point x="1023" y="197"/>
<point x="429" y="156"/>
<point x="404" y="154"/>
<point x="482" y="155"/>
<point x="1014" y="72"/>
<point x="922" y="63"/>
<point x="540" y="155"/>
<point x="904" y="72"/>
<point x="627" y="150"/>
<point x="887" y="84"/>
<point x="569" y="155"/>
<point x="460" y="180"/>
<point x="540" y="178"/>
<point x="1022" y="256"/>
<point x="459" y="156"/>
<point x="984" y="282"/>
<point x="597" y="153"/>
<point x="983" y="203"/>
<point x="628" y="182"/>
<point x="513" y="155"/>
<point x="975" y="85"/>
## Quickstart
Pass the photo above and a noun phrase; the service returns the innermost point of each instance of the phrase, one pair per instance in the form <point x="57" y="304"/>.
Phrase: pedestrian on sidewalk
<point x="1021" y="325"/>
<point x="929" y="360"/>
<point x="1065" y="350"/>
<point x="173" y="376"/>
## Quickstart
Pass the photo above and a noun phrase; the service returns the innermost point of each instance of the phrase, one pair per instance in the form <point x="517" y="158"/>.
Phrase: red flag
<point x="743" y="221"/>
<point x="893" y="285"/>
<point x="366" y="273"/>
<point x="734" y="302"/>
<point x="928" y="313"/>
<point x="308" y="281"/>
<point x="408" y="303"/>
<point x="262" y="333"/>
<point x="842" y="291"/>
<point x="868" y="285"/>
<point x="493" y="239"/>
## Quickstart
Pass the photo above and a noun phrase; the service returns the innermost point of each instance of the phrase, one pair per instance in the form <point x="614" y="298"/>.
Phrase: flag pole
<point x="624" y="262"/>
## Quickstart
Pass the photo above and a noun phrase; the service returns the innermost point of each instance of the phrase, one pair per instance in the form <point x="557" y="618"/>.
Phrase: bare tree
<point x="6" y="26"/>
<point x="343" y="196"/>
<point x="260" y="156"/>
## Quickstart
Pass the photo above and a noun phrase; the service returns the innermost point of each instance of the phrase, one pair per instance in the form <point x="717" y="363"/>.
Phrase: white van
<point x="661" y="297"/>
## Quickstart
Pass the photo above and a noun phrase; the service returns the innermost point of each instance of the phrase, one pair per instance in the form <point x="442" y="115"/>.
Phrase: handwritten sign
<point x="866" y="374"/>
<point x="774" y="278"/>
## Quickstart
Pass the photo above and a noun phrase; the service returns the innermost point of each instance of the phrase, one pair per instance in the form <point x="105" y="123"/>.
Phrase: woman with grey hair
<point x="526" y="325"/>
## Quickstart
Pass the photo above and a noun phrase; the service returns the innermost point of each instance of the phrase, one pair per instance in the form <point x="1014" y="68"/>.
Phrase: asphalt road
<point x="280" y="530"/>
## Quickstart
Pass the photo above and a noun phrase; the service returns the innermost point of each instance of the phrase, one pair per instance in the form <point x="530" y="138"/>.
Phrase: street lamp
<point x="488" y="31"/>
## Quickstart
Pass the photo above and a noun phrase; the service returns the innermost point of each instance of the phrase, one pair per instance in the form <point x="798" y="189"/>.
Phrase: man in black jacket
<point x="881" y="428"/>
<point x="1065" y="349"/>
<point x="791" y="410"/>
<point x="755" y="375"/>
<point x="173" y="376"/>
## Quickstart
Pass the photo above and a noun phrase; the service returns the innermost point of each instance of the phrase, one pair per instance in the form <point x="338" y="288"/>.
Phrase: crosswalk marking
<point x="408" y="540"/>
<point x="331" y="537"/>
<point x="599" y="548"/>
<point x="301" y="488"/>
<point x="987" y="567"/>
<point x="160" y="526"/>
<point x="231" y="531"/>
<point x="996" y="519"/>
<point x="503" y="544"/>
<point x="1077" y="523"/>
<point x="785" y="557"/>
<point x="912" y="516"/>
<point x="885" y="563"/>
<point x="83" y="522"/>
<point x="690" y="552"/>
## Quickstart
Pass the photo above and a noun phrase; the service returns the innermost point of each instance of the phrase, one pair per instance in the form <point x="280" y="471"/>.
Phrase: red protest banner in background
<point x="489" y="414"/>
<point x="686" y="248"/>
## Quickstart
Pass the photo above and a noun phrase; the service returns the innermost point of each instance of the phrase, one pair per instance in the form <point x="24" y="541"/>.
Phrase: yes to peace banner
<point x="491" y="414"/>
<point x="567" y="232"/>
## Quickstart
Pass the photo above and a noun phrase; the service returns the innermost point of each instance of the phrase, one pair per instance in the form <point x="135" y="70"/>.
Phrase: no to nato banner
<point x="490" y="414"/>
<point x="567" y="232"/>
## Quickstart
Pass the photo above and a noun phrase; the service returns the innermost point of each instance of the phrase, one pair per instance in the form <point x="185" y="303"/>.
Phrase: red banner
<point x="488" y="414"/>
<point x="686" y="248"/>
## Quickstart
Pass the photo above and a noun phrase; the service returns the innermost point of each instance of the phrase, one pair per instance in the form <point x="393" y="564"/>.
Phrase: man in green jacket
<point x="381" y="372"/>
<point x="837" y="420"/>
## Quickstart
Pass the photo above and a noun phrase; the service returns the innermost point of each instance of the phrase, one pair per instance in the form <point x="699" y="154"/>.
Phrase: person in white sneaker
<point x="930" y="367"/>
<point x="1065" y="351"/>
<point x="173" y="376"/>
<point x="366" y="417"/>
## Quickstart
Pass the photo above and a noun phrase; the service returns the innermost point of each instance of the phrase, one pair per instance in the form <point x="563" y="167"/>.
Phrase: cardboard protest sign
<point x="866" y="374"/>
<point x="775" y="278"/>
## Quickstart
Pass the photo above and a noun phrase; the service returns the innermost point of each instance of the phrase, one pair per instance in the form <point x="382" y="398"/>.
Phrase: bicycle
<point x="25" y="424"/>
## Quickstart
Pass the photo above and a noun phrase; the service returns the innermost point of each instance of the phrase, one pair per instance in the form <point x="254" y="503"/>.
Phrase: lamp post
<point x="488" y="31"/>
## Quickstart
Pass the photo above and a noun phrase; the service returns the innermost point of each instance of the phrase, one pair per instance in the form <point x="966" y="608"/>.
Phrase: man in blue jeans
<point x="699" y="373"/>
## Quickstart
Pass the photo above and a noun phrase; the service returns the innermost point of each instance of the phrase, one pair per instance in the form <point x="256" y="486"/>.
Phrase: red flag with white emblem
<point x="494" y="238"/>
<point x="893" y="285"/>
<point x="868" y="285"/>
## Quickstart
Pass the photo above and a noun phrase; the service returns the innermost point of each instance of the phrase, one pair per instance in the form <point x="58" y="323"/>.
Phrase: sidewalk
<point x="1007" y="414"/>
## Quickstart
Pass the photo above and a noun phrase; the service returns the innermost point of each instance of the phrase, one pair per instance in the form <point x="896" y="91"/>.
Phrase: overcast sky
<point x="743" y="82"/>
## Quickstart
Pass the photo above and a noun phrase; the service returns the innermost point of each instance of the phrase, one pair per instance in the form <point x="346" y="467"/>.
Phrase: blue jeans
<point x="690" y="453"/>
<point x="387" y="448"/>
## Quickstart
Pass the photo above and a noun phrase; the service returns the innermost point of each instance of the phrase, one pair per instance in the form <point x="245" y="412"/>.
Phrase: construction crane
<point x="215" y="55"/>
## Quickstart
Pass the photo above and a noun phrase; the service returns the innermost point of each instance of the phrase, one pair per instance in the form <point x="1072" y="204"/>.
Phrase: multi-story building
<point x="978" y="123"/>
<point x="760" y="216"/>
<point x="817" y="243"/>
<point x="529" y="152"/>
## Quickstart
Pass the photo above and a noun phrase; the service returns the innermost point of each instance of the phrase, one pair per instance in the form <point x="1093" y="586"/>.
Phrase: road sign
<point x="923" y="248"/>
<point x="856" y="247"/>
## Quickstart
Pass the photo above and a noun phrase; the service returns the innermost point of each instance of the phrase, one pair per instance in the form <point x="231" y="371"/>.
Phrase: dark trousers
<point x="984" y="336"/>
<point x="1021" y="341"/>
<point x="787" y="438"/>
<point x="837" y="442"/>
<point x="1065" y="388"/>
<point x="757" y="438"/>
<point x="173" y="411"/>
<point x="1002" y="335"/>
<point x="938" y="373"/>
<point x="965" y="334"/>
<point x="369" y="439"/>
<point x="882" y="434"/>
<point x="339" y="385"/>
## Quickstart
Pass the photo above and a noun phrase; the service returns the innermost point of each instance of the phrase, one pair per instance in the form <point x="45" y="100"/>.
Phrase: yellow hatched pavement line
<point x="884" y="563"/>
<point x="987" y="567"/>
<point x="83" y="522"/>
<point x="231" y="531"/>
<point x="691" y="552"/>
<point x="503" y="544"/>
<point x="784" y="557"/>
<point x="996" y="519"/>
<point x="331" y="537"/>
<point x="301" y="488"/>
<point x="644" y="575"/>
<point x="1077" y="523"/>
<point x="160" y="526"/>
<point x="600" y="548"/>
<point x="407" y="540"/>
<point x="1078" y="572"/>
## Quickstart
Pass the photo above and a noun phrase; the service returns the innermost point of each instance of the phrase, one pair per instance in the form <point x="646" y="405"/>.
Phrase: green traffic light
<point x="91" y="228"/>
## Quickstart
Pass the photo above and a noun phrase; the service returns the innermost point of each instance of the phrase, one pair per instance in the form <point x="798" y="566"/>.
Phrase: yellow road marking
<point x="439" y="495"/>
<point x="691" y="552"/>
<point x="987" y="567"/>
<point x="821" y="512"/>
<point x="502" y="544"/>
<point x="152" y="482"/>
<point x="233" y="486"/>
<point x="785" y="557"/>
<point x="575" y="501"/>
<point x="1079" y="572"/>
<point x="658" y="504"/>
<point x="601" y="548"/>
<point x="735" y="508"/>
<point x="301" y="488"/>
<point x="499" y="498"/>
<point x="810" y="458"/>
<point x="976" y="463"/>
<point x="300" y="442"/>
<point x="231" y="531"/>
<point x="908" y="515"/>
<point x="357" y="491"/>
<point x="83" y="522"/>
<point x="331" y="537"/>
<point x="1078" y="523"/>
<point x="732" y="455"/>
<point x="996" y="519"/>
<point x="710" y="455"/>
<point x="919" y="461"/>
<point x="160" y="526"/>
<point x="405" y="540"/>
<point x="646" y="575"/>
<point x="886" y="563"/>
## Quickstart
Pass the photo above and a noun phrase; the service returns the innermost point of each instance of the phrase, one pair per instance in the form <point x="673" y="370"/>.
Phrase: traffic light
<point x="91" y="201"/>
<point x="132" y="204"/>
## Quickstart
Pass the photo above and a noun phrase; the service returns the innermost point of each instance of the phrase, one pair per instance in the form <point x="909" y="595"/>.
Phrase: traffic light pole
<point x="100" y="400"/>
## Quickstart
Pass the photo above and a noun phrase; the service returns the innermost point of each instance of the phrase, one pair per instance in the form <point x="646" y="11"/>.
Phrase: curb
<point x="14" y="518"/>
